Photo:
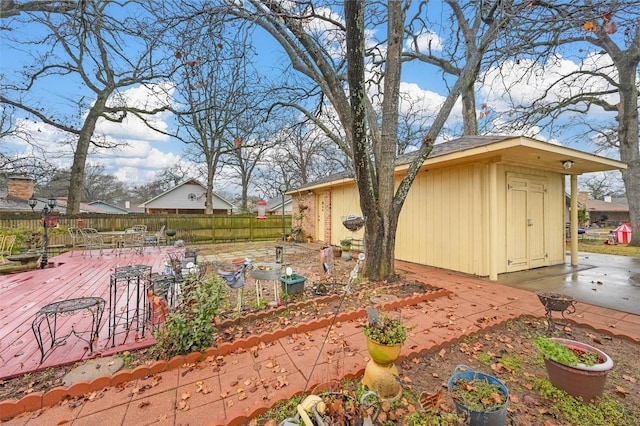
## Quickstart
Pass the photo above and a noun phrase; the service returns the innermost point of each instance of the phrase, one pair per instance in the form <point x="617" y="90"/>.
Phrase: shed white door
<point x="526" y="243"/>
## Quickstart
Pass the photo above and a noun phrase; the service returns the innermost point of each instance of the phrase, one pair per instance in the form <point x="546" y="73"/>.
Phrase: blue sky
<point x="144" y="152"/>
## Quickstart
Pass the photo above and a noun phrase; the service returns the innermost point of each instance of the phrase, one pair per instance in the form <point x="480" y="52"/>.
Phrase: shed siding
<point x="444" y="221"/>
<point x="440" y="221"/>
<point x="345" y="200"/>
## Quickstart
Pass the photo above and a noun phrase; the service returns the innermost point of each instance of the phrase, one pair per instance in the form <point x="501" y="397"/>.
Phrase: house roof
<point x="62" y="202"/>
<point x="275" y="204"/>
<point x="10" y="203"/>
<point x="106" y="207"/>
<point x="517" y="150"/>
<point x="187" y="182"/>
<point x="604" y="206"/>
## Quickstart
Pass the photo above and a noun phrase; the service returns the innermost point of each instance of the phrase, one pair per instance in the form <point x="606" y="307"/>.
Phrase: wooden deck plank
<point x="23" y="294"/>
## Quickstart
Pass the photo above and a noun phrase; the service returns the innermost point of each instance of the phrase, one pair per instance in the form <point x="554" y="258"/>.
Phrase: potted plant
<point x="385" y="336"/>
<point x="575" y="367"/>
<point x="480" y="397"/>
<point x="345" y="246"/>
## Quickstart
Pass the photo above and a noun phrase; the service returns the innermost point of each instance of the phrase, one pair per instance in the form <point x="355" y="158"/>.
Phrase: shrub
<point x="189" y="327"/>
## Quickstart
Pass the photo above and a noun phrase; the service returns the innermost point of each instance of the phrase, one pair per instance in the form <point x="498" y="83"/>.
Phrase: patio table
<point x="50" y="314"/>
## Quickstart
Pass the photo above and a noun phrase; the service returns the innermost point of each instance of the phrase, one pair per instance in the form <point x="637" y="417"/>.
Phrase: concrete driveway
<point x="602" y="280"/>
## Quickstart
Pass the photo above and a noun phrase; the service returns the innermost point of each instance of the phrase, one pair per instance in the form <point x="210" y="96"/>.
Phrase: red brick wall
<point x="305" y="211"/>
<point x="21" y="187"/>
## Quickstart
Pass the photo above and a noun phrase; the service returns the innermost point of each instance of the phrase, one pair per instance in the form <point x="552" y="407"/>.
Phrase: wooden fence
<point x="190" y="228"/>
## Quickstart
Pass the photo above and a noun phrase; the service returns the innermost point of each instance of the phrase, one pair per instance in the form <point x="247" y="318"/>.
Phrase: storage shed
<point x="482" y="205"/>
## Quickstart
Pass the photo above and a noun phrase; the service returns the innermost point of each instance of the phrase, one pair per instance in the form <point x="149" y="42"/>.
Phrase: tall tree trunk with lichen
<point x="628" y="135"/>
<point x="81" y="152"/>
<point x="376" y="182"/>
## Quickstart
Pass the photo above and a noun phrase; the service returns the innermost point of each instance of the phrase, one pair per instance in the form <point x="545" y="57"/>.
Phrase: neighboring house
<point x="186" y="198"/>
<point x="607" y="213"/>
<point x="108" y="208"/>
<point x="481" y="205"/>
<point x="62" y="202"/>
<point x="274" y="205"/>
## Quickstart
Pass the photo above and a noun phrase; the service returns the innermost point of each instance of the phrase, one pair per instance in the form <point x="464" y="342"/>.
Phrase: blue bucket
<point x="497" y="416"/>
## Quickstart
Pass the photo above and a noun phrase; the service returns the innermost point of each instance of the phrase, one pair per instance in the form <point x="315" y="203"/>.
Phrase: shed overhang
<point x="527" y="152"/>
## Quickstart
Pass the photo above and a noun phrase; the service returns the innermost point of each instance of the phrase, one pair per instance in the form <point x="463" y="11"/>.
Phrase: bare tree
<point x="601" y="184"/>
<point x="164" y="180"/>
<point x="10" y="8"/>
<point x="218" y="91"/>
<point x="315" y="37"/>
<point x="604" y="39"/>
<point x="87" y="48"/>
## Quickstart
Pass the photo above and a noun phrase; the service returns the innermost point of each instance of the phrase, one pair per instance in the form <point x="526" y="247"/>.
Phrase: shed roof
<point x="519" y="150"/>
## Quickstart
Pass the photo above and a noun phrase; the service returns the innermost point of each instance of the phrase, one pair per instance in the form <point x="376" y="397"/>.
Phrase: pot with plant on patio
<point x="575" y="367"/>
<point x="385" y="337"/>
<point x="345" y="246"/>
<point x="481" y="398"/>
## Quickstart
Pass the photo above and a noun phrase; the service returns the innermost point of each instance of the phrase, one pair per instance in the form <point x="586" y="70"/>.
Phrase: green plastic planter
<point x="293" y="284"/>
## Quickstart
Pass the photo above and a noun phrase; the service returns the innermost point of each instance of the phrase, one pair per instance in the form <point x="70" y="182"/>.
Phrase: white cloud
<point x="425" y="42"/>
<point x="147" y="98"/>
<point x="414" y="98"/>
<point x="520" y="82"/>
<point x="138" y="156"/>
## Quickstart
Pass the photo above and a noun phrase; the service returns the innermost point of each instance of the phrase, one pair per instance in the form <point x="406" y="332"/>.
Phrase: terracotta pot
<point x="586" y="382"/>
<point x="383" y="354"/>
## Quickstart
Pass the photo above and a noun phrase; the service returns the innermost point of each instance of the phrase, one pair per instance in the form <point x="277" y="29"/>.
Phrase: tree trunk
<point x="208" y="205"/>
<point x="468" y="98"/>
<point x="82" y="150"/>
<point x="375" y="182"/>
<point x="628" y="139"/>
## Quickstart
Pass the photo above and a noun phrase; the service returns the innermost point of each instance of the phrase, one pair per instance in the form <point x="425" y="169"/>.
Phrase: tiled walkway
<point x="229" y="389"/>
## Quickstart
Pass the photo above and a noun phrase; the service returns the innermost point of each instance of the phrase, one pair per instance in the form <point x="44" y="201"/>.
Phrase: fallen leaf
<point x="621" y="391"/>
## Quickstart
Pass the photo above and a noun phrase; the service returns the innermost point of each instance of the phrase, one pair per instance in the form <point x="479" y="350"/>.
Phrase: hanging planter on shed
<point x="352" y="222"/>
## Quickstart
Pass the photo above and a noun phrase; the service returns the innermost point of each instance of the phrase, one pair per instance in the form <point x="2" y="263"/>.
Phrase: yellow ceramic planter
<point x="383" y="354"/>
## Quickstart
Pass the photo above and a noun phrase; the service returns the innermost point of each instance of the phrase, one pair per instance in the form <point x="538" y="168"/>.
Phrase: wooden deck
<point x="23" y="294"/>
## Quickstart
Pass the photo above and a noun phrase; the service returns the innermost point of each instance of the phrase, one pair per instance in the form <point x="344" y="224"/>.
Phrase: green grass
<point x="598" y="246"/>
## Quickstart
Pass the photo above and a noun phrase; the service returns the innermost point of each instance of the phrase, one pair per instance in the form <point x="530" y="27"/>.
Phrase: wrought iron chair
<point x="77" y="239"/>
<point x="94" y="241"/>
<point x="156" y="239"/>
<point x="134" y="239"/>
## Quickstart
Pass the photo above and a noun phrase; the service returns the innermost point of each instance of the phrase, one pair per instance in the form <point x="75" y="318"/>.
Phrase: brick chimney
<point x="20" y="187"/>
<point x="583" y="200"/>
